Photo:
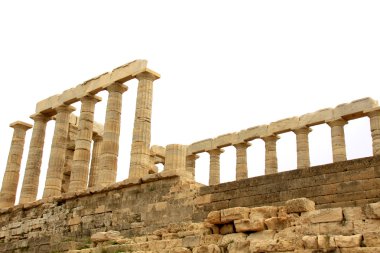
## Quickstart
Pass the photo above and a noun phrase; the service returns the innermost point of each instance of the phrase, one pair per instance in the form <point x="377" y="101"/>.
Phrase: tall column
<point x="140" y="164"/>
<point x="270" y="154"/>
<point x="110" y="147"/>
<point x="58" y="152"/>
<point x="12" y="171"/>
<point x="241" y="160"/>
<point x="215" y="166"/>
<point x="338" y="141"/>
<point x="67" y="170"/>
<point x="175" y="157"/>
<point x="374" y="117"/>
<point x="82" y="153"/>
<point x="303" y="156"/>
<point x="190" y="163"/>
<point x="94" y="169"/>
<point x="33" y="164"/>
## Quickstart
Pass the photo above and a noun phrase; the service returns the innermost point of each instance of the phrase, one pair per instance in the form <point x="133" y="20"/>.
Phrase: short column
<point x="270" y="154"/>
<point x="190" y="163"/>
<point x="338" y="140"/>
<point x="374" y="117"/>
<point x="12" y="171"/>
<point x="33" y="164"/>
<point x="110" y="148"/>
<point x="215" y="166"/>
<point x="303" y="156"/>
<point x="241" y="160"/>
<point x="58" y="152"/>
<point x="141" y="164"/>
<point x="94" y="169"/>
<point x="82" y="153"/>
<point x="175" y="158"/>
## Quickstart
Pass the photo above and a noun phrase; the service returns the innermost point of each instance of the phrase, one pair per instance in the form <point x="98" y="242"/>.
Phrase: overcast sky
<point x="225" y="66"/>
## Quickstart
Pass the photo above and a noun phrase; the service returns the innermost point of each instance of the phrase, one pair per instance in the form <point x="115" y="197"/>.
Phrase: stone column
<point x="215" y="166"/>
<point x="374" y="117"/>
<point x="58" y="152"/>
<point x="12" y="171"/>
<point x="33" y="164"/>
<point x="338" y="141"/>
<point x="94" y="169"/>
<point x="303" y="156"/>
<point x="175" y="158"/>
<point x="190" y="163"/>
<point x="110" y="147"/>
<point x="140" y="164"/>
<point x="270" y="154"/>
<point x="241" y="160"/>
<point x="82" y="153"/>
<point x="67" y="170"/>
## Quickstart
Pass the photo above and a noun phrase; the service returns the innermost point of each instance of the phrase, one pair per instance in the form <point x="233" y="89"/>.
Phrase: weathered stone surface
<point x="214" y="217"/>
<point x="247" y="225"/>
<point x="230" y="238"/>
<point x="310" y="242"/>
<point x="371" y="239"/>
<point x="324" y="215"/>
<point x="348" y="241"/>
<point x="372" y="211"/>
<point x="261" y="236"/>
<point x="236" y="213"/>
<point x="226" y="229"/>
<point x="239" y="247"/>
<point x="105" y="236"/>
<point x="299" y="205"/>
<point x="212" y="248"/>
<point x="277" y="223"/>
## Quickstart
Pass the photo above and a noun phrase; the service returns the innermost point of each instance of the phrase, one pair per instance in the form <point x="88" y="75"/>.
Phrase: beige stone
<point x="175" y="158"/>
<point x="284" y="125"/>
<point x="239" y="247"/>
<point x="199" y="147"/>
<point x="303" y="156"/>
<point x="253" y="133"/>
<point x="247" y="225"/>
<point x="241" y="160"/>
<point x="213" y="217"/>
<point x="261" y="236"/>
<point x="351" y="241"/>
<point x="338" y="139"/>
<point x="316" y="118"/>
<point x="372" y="210"/>
<point x="374" y="116"/>
<point x="224" y="140"/>
<point x="212" y="248"/>
<point x="105" y="236"/>
<point x="265" y="212"/>
<point x="95" y="156"/>
<point x="270" y="154"/>
<point x="299" y="205"/>
<point x="277" y="223"/>
<point x="235" y="213"/>
<point x="371" y="239"/>
<point x="190" y="163"/>
<point x="226" y="229"/>
<point x="324" y="215"/>
<point x="355" y="109"/>
<point x="230" y="238"/>
<point x="215" y="166"/>
<point x="310" y="242"/>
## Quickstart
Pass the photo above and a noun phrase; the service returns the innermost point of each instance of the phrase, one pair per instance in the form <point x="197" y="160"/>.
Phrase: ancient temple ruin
<point x="328" y="208"/>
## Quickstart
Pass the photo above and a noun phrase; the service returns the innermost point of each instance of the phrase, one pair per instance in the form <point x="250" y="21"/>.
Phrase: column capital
<point x="40" y="117"/>
<point x="268" y="138"/>
<point x="242" y="145"/>
<point x="90" y="97"/>
<point x="148" y="75"/>
<point x="302" y="130"/>
<point x="193" y="156"/>
<point x="117" y="87"/>
<point x="65" y="108"/>
<point x="20" y="125"/>
<point x="217" y="151"/>
<point x="336" y="122"/>
<point x="96" y="137"/>
<point x="373" y="112"/>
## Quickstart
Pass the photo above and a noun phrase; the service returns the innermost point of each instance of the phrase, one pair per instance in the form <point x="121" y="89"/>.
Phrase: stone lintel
<point x="158" y="151"/>
<point x="20" y="124"/>
<point x="199" y="146"/>
<point x="224" y="140"/>
<point x="316" y="118"/>
<point x="149" y="74"/>
<point x="284" y="125"/>
<point x="253" y="133"/>
<point x="355" y="109"/>
<point x="375" y="109"/>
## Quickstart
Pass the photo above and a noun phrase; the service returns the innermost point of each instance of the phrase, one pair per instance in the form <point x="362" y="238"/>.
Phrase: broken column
<point x="215" y="166"/>
<point x="241" y="160"/>
<point x="94" y="169"/>
<point x="33" y="164"/>
<point x="58" y="152"/>
<point x="175" y="158"/>
<point x="12" y="171"/>
<point x="110" y="148"/>
<point x="190" y="163"/>
<point x="270" y="154"/>
<point x="374" y="117"/>
<point x="82" y="153"/>
<point x="140" y="163"/>
<point x="303" y="156"/>
<point x="338" y="140"/>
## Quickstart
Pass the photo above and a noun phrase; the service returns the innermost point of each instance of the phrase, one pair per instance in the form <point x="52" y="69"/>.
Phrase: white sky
<point x="225" y="66"/>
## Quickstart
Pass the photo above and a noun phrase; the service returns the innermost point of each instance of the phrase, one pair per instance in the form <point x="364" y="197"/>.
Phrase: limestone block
<point x="180" y="250"/>
<point x="299" y="205"/>
<point x="316" y="118"/>
<point x="310" y="242"/>
<point x="277" y="223"/>
<point x="225" y="140"/>
<point x="191" y="241"/>
<point x="284" y="125"/>
<point x="360" y="250"/>
<point x="235" y="213"/>
<point x="324" y="215"/>
<point x="212" y="239"/>
<point x="355" y="109"/>
<point x="230" y="238"/>
<point x="253" y="133"/>
<point x="239" y="247"/>
<point x="353" y="213"/>
<point x="226" y="229"/>
<point x="105" y="236"/>
<point x="372" y="210"/>
<point x="214" y="217"/>
<point x="263" y="246"/>
<point x="158" y="151"/>
<point x="199" y="147"/>
<point x="351" y="241"/>
<point x="47" y="104"/>
<point x="323" y="242"/>
<point x="265" y="212"/>
<point x="247" y="225"/>
<point x="212" y="248"/>
<point x="372" y="239"/>
<point x="261" y="236"/>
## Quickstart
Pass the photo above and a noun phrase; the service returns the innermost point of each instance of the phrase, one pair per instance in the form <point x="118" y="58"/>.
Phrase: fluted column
<point x="303" y="156"/>
<point x="175" y="157"/>
<point x="82" y="153"/>
<point x="141" y="164"/>
<point x="241" y="160"/>
<point x="271" y="166"/>
<point x="33" y="164"/>
<point x="110" y="148"/>
<point x="215" y="166"/>
<point x="12" y="171"/>
<point x="67" y="170"/>
<point x="338" y="140"/>
<point x="58" y="152"/>
<point x="94" y="169"/>
<point x="190" y="163"/>
<point x="374" y="117"/>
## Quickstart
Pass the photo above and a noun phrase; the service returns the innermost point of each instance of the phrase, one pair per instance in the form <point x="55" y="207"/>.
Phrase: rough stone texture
<point x="299" y="205"/>
<point x="338" y="140"/>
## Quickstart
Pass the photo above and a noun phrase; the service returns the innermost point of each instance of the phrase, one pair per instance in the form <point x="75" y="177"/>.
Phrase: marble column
<point x="82" y="153"/>
<point x="215" y="166"/>
<point x="374" y="117"/>
<point x="12" y="171"/>
<point x="303" y="156"/>
<point x="94" y="169"/>
<point x="54" y="175"/>
<point x="190" y="163"/>
<point x="67" y="170"/>
<point x="110" y="147"/>
<point x="338" y="140"/>
<point x="33" y="164"/>
<point x="141" y="164"/>
<point x="241" y="160"/>
<point x="175" y="157"/>
<point x="270" y="154"/>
